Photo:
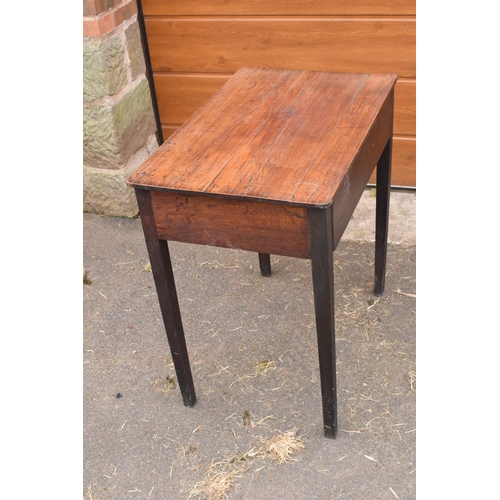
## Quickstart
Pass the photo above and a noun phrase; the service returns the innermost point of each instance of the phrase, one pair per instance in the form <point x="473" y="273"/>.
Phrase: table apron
<point x="255" y="226"/>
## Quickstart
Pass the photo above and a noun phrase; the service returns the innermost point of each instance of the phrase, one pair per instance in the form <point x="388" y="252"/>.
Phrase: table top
<point x="286" y="136"/>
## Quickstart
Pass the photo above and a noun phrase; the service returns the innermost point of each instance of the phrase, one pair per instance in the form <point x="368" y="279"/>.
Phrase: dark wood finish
<point x="275" y="163"/>
<point x="272" y="135"/>
<point x="265" y="264"/>
<point x="382" y="217"/>
<point x="243" y="224"/>
<point x="321" y="235"/>
<point x="403" y="155"/>
<point x="197" y="42"/>
<point x="167" y="297"/>
<point x="180" y="96"/>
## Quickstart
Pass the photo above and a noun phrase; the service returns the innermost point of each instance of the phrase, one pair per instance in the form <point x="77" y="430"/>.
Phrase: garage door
<point x="195" y="46"/>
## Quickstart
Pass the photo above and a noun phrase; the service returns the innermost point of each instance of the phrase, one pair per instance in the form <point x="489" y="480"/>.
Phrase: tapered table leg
<point x="382" y="216"/>
<point x="265" y="264"/>
<point x="321" y="240"/>
<point x="165" y="287"/>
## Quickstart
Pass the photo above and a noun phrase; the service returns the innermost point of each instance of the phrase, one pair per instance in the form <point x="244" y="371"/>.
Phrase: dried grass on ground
<point x="221" y="476"/>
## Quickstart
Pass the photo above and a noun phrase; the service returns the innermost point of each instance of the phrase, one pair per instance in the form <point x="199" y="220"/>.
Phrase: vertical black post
<point x="149" y="71"/>
<point x="321" y="241"/>
<point x="167" y="296"/>
<point x="382" y="216"/>
<point x="265" y="264"/>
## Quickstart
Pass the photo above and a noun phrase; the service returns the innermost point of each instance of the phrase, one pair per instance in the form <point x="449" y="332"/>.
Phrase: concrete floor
<point x="253" y="352"/>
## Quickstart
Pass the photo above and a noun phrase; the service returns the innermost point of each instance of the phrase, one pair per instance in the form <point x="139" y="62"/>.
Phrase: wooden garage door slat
<point x="405" y="102"/>
<point x="404" y="154"/>
<point x="179" y="96"/>
<point x="278" y="7"/>
<point x="196" y="45"/>
<point x="328" y="44"/>
<point x="403" y="162"/>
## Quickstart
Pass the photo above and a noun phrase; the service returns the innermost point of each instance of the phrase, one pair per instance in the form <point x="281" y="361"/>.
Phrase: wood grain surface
<point x="278" y="7"/>
<point x="223" y="45"/>
<point x="180" y="95"/>
<point x="278" y="135"/>
<point x="404" y="154"/>
<point x="243" y="224"/>
<point x="197" y="44"/>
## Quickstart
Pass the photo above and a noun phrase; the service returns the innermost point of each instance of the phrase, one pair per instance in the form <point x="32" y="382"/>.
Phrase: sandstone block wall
<point x="119" y="129"/>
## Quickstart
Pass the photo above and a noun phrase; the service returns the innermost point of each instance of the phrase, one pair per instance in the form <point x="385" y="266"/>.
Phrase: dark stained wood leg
<point x="382" y="217"/>
<point x="265" y="264"/>
<point x="321" y="240"/>
<point x="167" y="296"/>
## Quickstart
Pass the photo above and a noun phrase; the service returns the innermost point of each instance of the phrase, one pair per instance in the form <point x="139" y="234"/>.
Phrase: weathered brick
<point x="125" y="12"/>
<point x="99" y="26"/>
<point x="95" y="7"/>
<point x="135" y="51"/>
<point x="102" y="17"/>
<point x="104" y="68"/>
<point x="112" y="132"/>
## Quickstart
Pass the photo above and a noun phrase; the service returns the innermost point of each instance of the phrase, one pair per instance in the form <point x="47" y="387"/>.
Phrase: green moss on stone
<point x="111" y="133"/>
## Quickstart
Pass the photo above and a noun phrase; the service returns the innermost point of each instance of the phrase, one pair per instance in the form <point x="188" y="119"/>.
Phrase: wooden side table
<point x="275" y="162"/>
